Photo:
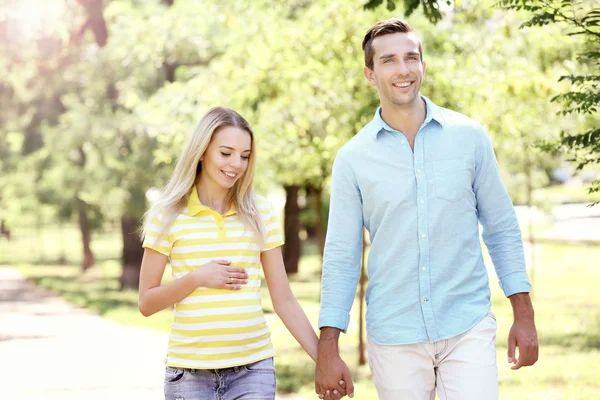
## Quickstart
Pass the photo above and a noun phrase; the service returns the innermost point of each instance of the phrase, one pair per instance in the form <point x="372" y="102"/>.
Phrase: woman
<point x="217" y="233"/>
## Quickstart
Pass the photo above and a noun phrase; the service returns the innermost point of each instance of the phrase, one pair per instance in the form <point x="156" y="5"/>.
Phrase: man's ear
<point x="369" y="75"/>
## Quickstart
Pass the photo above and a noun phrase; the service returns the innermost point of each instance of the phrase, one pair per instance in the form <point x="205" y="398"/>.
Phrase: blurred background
<point x="98" y="96"/>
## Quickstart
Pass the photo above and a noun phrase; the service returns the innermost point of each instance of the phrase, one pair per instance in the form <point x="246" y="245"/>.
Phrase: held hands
<point x="217" y="274"/>
<point x="524" y="336"/>
<point x="332" y="376"/>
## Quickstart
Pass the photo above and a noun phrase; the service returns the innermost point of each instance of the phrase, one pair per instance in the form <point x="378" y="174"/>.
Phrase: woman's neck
<point x="215" y="198"/>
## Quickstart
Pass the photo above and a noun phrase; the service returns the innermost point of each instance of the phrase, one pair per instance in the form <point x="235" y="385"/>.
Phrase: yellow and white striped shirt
<point x="217" y="328"/>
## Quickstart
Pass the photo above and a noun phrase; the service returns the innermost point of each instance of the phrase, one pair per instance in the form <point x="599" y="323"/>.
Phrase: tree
<point x="314" y="102"/>
<point x="149" y="46"/>
<point x="35" y="59"/>
<point x="579" y="18"/>
<point x="431" y="8"/>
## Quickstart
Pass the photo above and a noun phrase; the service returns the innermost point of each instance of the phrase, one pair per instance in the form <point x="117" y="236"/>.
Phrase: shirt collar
<point x="195" y="206"/>
<point x="433" y="112"/>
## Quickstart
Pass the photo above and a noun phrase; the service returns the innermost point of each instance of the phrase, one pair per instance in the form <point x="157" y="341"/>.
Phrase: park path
<point x="51" y="350"/>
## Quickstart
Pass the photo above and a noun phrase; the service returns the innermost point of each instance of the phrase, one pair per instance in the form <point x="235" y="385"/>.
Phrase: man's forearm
<point x="330" y="335"/>
<point x="522" y="307"/>
<point x="328" y="341"/>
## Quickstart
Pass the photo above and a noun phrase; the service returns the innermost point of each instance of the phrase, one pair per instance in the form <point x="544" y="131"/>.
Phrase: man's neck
<point x="406" y="119"/>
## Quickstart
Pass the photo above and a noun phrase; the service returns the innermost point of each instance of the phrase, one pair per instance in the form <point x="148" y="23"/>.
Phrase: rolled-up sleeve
<point x="343" y="247"/>
<point x="501" y="232"/>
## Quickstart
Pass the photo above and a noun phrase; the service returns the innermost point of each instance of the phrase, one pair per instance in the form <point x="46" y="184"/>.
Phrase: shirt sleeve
<point x="152" y="241"/>
<point x="343" y="248"/>
<point x="273" y="235"/>
<point x="501" y="232"/>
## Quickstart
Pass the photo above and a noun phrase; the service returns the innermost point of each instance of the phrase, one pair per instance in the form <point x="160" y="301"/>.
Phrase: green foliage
<point x="579" y="18"/>
<point x="431" y="8"/>
<point x="103" y="124"/>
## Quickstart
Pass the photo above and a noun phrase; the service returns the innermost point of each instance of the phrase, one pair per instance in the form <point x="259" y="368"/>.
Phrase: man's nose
<point x="403" y="68"/>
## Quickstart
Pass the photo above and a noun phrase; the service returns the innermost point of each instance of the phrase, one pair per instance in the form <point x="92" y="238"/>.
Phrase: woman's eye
<point x="245" y="157"/>
<point x="225" y="154"/>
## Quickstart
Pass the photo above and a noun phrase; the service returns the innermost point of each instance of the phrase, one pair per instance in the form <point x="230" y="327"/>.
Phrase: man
<point x="419" y="178"/>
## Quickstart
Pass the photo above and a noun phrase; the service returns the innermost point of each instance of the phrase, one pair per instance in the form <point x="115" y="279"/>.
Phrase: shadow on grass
<point x="54" y="262"/>
<point x="99" y="296"/>
<point x="6" y="338"/>
<point x="290" y="379"/>
<point x="587" y="340"/>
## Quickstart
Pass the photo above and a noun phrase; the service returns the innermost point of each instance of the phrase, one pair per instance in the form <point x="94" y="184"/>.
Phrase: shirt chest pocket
<point x="452" y="179"/>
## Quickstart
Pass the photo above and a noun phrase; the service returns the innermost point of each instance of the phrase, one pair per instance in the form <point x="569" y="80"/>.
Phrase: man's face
<point x="397" y="69"/>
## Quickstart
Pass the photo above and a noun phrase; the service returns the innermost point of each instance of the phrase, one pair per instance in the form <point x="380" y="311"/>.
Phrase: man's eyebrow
<point x="391" y="55"/>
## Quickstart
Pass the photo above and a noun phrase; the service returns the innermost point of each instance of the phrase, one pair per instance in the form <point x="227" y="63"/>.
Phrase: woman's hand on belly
<point x="218" y="274"/>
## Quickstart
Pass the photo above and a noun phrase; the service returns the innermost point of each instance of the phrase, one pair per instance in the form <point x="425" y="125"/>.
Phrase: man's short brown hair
<point x="387" y="27"/>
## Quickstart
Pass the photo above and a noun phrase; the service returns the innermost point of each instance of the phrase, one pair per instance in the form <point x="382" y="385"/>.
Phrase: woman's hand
<point x="217" y="274"/>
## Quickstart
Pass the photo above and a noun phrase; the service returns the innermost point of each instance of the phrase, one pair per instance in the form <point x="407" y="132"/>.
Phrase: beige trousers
<point x="459" y="368"/>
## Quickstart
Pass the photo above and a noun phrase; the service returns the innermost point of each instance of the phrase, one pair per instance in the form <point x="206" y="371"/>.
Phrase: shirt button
<point x="422" y="201"/>
<point x="419" y="170"/>
<point x="402" y="141"/>
<point x="424" y="268"/>
<point x="423" y="235"/>
<point x="424" y="299"/>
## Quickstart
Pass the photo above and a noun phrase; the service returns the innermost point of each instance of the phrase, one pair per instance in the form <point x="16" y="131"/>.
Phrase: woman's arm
<point x="154" y="297"/>
<point x="285" y="304"/>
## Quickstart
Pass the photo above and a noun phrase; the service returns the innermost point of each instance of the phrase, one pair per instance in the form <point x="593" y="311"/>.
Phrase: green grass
<point x="558" y="194"/>
<point x="566" y="298"/>
<point x="48" y="244"/>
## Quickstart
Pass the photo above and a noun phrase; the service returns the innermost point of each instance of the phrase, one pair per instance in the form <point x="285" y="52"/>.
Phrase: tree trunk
<point x="132" y="245"/>
<point x="96" y="22"/>
<point x="531" y="232"/>
<point x="315" y="199"/>
<point x="39" y="243"/>
<point x="62" y="259"/>
<point x="86" y="236"/>
<point x="132" y="253"/>
<point x="320" y="223"/>
<point x="361" y="301"/>
<point x="291" y="229"/>
<point x="311" y="227"/>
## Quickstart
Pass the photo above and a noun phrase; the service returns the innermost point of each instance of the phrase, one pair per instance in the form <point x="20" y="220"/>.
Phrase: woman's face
<point x="226" y="159"/>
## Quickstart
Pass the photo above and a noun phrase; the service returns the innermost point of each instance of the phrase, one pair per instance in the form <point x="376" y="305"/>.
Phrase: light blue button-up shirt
<point x="427" y="279"/>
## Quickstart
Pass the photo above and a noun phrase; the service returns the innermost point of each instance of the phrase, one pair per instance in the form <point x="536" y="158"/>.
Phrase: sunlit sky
<point x="33" y="17"/>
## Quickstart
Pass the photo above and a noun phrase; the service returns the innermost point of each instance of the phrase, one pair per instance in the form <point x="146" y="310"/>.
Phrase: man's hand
<point x="332" y="376"/>
<point x="523" y="333"/>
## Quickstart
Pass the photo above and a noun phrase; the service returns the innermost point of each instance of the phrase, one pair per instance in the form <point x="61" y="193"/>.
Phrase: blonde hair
<point x="174" y="197"/>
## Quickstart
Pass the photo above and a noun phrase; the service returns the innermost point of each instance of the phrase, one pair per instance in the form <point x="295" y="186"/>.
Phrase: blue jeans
<point x="252" y="381"/>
